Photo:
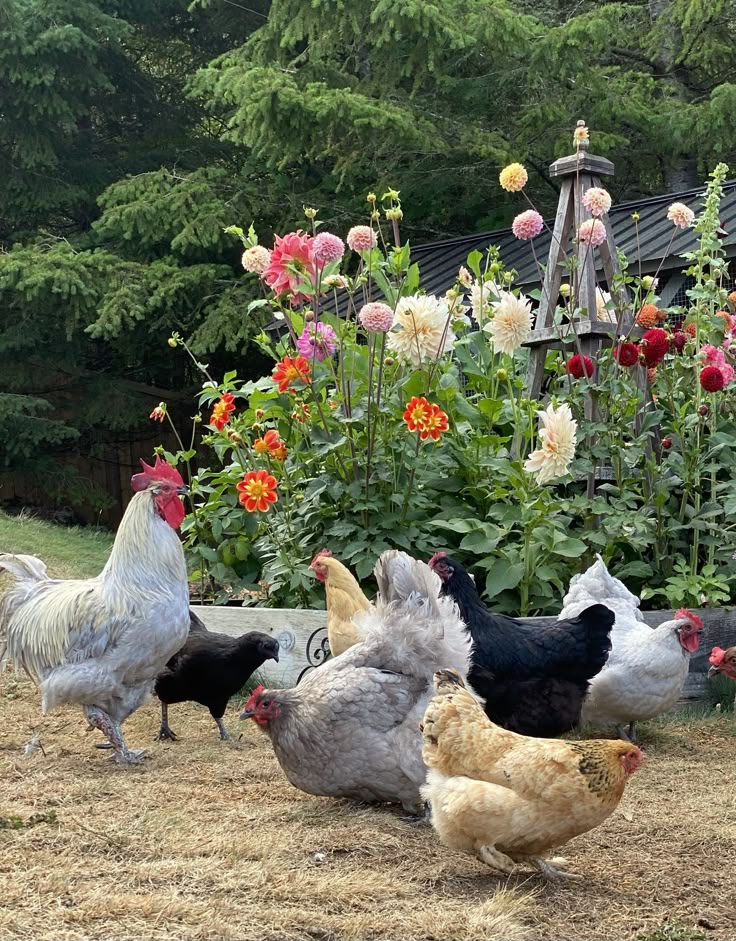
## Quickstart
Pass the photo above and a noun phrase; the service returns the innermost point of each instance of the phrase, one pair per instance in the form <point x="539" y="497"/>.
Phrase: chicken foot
<point x="225" y="736"/>
<point x="552" y="869"/>
<point x="112" y="731"/>
<point x="165" y="731"/>
<point x="496" y="859"/>
<point x="628" y="735"/>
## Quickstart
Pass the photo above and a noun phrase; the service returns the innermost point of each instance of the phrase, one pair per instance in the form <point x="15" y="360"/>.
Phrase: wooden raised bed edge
<point x="302" y="634"/>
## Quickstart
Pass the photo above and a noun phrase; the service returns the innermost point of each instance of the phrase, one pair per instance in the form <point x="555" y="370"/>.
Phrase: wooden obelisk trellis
<point x="577" y="173"/>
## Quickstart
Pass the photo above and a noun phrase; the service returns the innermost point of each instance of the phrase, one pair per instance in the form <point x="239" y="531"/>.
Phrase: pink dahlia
<point x="362" y="238"/>
<point x="328" y="247"/>
<point x="716" y="357"/>
<point x="376" y="317"/>
<point x="597" y="200"/>
<point x="527" y="225"/>
<point x="256" y="259"/>
<point x="292" y="263"/>
<point x="318" y="341"/>
<point x="592" y="232"/>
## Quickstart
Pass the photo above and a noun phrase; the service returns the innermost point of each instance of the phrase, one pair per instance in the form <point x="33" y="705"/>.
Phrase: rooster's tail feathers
<point x="411" y="624"/>
<point x="26" y="568"/>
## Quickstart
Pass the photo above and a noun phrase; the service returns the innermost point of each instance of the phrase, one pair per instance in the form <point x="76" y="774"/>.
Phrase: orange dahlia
<point x="257" y="491"/>
<point x="271" y="444"/>
<point x="648" y="316"/>
<point x="426" y="418"/>
<point x="222" y="409"/>
<point x="291" y="370"/>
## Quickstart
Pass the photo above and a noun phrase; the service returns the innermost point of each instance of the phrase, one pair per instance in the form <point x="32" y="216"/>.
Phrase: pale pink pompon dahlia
<point x="376" y="317"/>
<point x="592" y="232"/>
<point x="527" y="225"/>
<point x="681" y="215"/>
<point x="362" y="238"/>
<point x="597" y="200"/>
<point x="256" y="259"/>
<point x="328" y="247"/>
<point x="513" y="178"/>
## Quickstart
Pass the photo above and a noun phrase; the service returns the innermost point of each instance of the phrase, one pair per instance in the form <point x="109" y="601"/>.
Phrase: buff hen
<point x="344" y="598"/>
<point x="508" y="798"/>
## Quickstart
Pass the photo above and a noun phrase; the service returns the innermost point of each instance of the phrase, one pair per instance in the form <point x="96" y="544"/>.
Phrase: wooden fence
<point x="302" y="635"/>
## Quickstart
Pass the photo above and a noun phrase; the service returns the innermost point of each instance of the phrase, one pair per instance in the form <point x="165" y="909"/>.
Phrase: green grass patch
<point x="68" y="551"/>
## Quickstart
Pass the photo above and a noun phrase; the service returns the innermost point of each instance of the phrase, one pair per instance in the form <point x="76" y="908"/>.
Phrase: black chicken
<point x="209" y="669"/>
<point x="533" y="679"/>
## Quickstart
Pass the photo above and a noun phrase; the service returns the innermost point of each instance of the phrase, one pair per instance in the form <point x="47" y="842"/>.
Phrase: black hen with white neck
<point x="534" y="679"/>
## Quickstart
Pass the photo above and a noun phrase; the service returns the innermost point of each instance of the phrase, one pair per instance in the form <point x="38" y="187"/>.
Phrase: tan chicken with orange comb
<point x="344" y="600"/>
<point x="508" y="798"/>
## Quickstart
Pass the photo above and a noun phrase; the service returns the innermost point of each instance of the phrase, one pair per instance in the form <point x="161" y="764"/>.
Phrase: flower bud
<point x="172" y="342"/>
<point x="371" y="197"/>
<point x="259" y="413"/>
<point x="647" y="282"/>
<point x="635" y="216"/>
<point x="256" y="426"/>
<point x="389" y="361"/>
<point x="565" y="290"/>
<point x="375" y="215"/>
<point x="309" y="316"/>
<point x="502" y="375"/>
<point x="235" y="437"/>
<point x="703" y="410"/>
<point x="667" y="443"/>
<point x="310" y="213"/>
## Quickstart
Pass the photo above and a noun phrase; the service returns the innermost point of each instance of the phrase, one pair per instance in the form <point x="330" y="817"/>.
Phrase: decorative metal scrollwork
<point x="317" y="651"/>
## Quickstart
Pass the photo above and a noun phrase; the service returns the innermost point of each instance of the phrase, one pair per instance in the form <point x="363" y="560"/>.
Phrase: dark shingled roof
<point x="439" y="261"/>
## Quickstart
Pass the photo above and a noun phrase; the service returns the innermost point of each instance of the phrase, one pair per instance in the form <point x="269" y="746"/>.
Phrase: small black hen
<point x="209" y="669"/>
<point x="533" y="679"/>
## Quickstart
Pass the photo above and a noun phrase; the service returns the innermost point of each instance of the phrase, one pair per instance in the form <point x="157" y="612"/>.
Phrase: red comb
<point x="322" y="554"/>
<point x="716" y="656"/>
<point x="436" y="557"/>
<point x="689" y="616"/>
<point x="254" y="696"/>
<point x="161" y="470"/>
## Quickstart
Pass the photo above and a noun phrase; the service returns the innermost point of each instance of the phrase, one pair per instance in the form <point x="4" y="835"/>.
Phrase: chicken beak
<point x="183" y="490"/>
<point x="247" y="714"/>
<point x="276" y="656"/>
<point x="714" y="671"/>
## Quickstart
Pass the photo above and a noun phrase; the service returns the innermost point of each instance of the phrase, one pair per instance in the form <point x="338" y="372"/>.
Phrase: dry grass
<point x="209" y="841"/>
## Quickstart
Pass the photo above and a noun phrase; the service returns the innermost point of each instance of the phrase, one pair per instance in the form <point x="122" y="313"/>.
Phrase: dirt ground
<point x="209" y="841"/>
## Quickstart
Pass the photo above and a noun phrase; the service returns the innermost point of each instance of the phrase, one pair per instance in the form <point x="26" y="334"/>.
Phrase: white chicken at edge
<point x="647" y="667"/>
<point x="101" y="642"/>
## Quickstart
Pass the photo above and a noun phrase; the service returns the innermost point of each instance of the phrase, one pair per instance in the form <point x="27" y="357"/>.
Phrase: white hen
<point x="647" y="667"/>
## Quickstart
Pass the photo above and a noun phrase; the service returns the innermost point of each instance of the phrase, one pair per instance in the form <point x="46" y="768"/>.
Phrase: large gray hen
<point x="351" y="727"/>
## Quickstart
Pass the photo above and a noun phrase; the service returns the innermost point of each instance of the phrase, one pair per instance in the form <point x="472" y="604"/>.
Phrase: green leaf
<point x="502" y="575"/>
<point x="569" y="547"/>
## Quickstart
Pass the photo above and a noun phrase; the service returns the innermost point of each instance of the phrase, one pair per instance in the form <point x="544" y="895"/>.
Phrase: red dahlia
<point x="579" y="366"/>
<point x="626" y="354"/>
<point x="655" y="346"/>
<point x="678" y="340"/>
<point x="711" y="379"/>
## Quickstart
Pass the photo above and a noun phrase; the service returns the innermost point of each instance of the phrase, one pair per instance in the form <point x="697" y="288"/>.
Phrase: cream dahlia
<point x="557" y="444"/>
<point x="681" y="215"/>
<point x="597" y="200"/>
<point x="423" y="328"/>
<point x="513" y="178"/>
<point x="511" y="322"/>
<point x="256" y="259"/>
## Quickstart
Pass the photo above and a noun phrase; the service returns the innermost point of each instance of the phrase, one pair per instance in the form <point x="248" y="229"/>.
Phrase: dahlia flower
<point x="336" y="282"/>
<point x="557" y="444"/>
<point x="648" y="316"/>
<point x="376" y="317"/>
<point x="681" y="215"/>
<point x="272" y="444"/>
<point x="465" y="277"/>
<point x="362" y="238"/>
<point x="579" y="366"/>
<point x="580" y="135"/>
<point x="679" y="339"/>
<point x="257" y="491"/>
<point x="592" y="232"/>
<point x="732" y="298"/>
<point x="511" y="322"/>
<point x="727" y="319"/>
<point x="716" y="357"/>
<point x="603" y="311"/>
<point x="256" y="259"/>
<point x="513" y="178"/>
<point x="221" y="410"/>
<point x="481" y="298"/>
<point x="655" y="345"/>
<point x="626" y="354"/>
<point x="291" y="370"/>
<point x="292" y="262"/>
<point x="328" y="247"/>
<point x="318" y="341"/>
<point x="712" y="379"/>
<point x="527" y="225"/>
<point x="597" y="200"/>
<point x="426" y="418"/>
<point x="424" y="331"/>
